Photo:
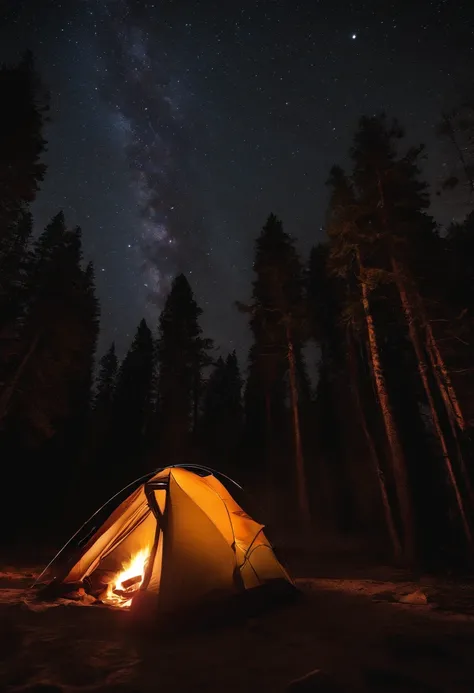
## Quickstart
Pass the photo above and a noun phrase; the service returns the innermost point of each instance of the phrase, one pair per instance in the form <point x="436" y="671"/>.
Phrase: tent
<point x="177" y="542"/>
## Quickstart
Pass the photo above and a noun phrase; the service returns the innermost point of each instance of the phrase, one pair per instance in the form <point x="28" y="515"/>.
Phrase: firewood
<point x="131" y="581"/>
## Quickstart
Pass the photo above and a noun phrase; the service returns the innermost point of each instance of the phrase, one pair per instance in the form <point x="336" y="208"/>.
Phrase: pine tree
<point x="277" y="323"/>
<point x="14" y="266"/>
<point x="221" y="424"/>
<point x="181" y="353"/>
<point x="22" y="118"/>
<point x="85" y="308"/>
<point x="45" y="393"/>
<point x="97" y="460"/>
<point x="132" y="407"/>
<point x="54" y="347"/>
<point x="350" y="245"/>
<point x="457" y="127"/>
<point x="105" y="384"/>
<point x="212" y="397"/>
<point x="347" y="468"/>
<point x="233" y="380"/>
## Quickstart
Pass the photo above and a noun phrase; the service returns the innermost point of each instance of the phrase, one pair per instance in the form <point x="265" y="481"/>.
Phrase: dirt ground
<point x="354" y="629"/>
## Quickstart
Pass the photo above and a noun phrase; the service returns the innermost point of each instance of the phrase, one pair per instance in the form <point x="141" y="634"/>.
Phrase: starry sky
<point x="178" y="126"/>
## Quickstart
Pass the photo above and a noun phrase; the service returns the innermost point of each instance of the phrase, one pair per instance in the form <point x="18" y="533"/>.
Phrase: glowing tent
<point x="178" y="541"/>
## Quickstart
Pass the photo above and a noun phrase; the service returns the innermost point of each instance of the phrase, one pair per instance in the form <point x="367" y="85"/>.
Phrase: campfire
<point x="124" y="585"/>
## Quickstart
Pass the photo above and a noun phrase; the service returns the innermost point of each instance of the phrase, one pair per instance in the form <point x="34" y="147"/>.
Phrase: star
<point x="354" y="36"/>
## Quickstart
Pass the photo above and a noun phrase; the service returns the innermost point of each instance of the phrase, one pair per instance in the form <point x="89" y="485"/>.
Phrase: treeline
<point x="380" y="447"/>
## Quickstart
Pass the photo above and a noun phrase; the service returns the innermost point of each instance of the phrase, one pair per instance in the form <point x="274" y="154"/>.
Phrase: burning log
<point x="131" y="581"/>
<point x="127" y="587"/>
<point x="123" y="594"/>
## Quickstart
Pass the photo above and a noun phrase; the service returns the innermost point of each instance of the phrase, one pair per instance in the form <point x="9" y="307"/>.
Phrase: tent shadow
<point x="212" y="616"/>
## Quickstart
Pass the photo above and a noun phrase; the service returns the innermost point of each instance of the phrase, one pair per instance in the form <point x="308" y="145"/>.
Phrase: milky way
<point x="146" y="110"/>
<point x="178" y="126"/>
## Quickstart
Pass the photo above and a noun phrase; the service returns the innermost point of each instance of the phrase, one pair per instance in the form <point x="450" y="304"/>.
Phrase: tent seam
<point x="207" y="515"/>
<point x="227" y="511"/>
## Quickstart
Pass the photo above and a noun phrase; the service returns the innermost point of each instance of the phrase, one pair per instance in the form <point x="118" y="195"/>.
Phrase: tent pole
<point x="206" y="469"/>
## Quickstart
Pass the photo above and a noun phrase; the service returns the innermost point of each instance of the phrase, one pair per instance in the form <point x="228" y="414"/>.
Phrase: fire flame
<point x="119" y="594"/>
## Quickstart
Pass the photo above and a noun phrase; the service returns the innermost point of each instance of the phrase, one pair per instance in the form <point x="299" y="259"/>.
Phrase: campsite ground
<point x="349" y="624"/>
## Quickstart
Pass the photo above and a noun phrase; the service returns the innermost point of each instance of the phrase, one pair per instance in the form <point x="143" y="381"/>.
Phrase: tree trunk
<point x="456" y="418"/>
<point x="455" y="415"/>
<point x="9" y="391"/>
<point x="302" y="489"/>
<point x="268" y="417"/>
<point x="389" y="519"/>
<point x="196" y="396"/>
<point x="432" y="345"/>
<point x="269" y="454"/>
<point x="442" y="375"/>
<point x="423" y="372"/>
<point x="398" y="461"/>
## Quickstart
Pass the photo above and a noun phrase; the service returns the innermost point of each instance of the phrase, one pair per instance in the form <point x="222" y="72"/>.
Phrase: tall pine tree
<point x="181" y="352"/>
<point x="15" y="263"/>
<point x="277" y="321"/>
<point x="350" y="247"/>
<point x="97" y="455"/>
<point x="51" y="358"/>
<point x="221" y="424"/>
<point x="339" y="473"/>
<point x="22" y="118"/>
<point x="131" y="410"/>
<point x="45" y="389"/>
<point x="105" y="384"/>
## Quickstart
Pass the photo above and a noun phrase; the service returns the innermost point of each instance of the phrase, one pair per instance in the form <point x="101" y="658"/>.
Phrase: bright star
<point x="354" y="36"/>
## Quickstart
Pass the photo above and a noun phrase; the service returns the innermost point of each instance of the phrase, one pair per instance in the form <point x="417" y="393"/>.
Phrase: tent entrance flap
<point x="123" y="569"/>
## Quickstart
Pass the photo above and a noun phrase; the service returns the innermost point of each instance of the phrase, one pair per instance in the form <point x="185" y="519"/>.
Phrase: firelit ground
<point x="354" y="628"/>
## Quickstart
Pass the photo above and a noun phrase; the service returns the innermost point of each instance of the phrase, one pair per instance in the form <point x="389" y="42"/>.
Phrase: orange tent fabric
<point x="195" y="540"/>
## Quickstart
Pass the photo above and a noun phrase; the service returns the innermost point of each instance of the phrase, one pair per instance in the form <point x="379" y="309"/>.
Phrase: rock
<point x="316" y="681"/>
<point x="417" y="598"/>
<point x="75" y="594"/>
<point x="89" y="599"/>
<point x="58" y="590"/>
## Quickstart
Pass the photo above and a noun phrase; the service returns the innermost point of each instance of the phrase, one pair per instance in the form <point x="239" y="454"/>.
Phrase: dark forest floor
<point x="349" y="624"/>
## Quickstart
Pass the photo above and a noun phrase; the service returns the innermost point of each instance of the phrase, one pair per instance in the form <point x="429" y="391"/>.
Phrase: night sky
<point x="178" y="126"/>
